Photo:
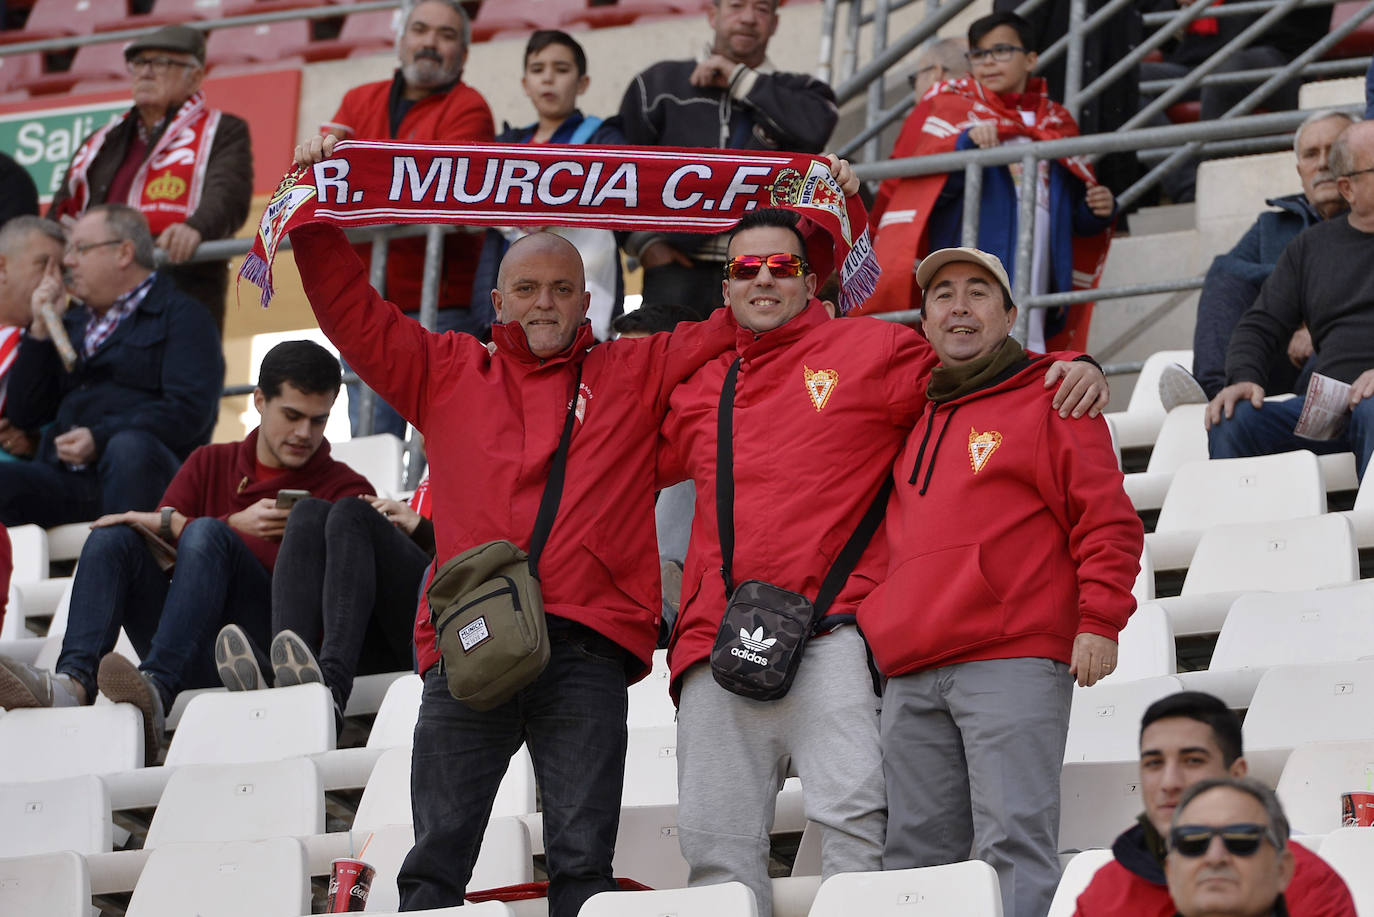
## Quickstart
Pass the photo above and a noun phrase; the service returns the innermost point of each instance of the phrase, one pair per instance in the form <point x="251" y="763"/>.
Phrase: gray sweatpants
<point x="733" y="754"/>
<point x="972" y="754"/>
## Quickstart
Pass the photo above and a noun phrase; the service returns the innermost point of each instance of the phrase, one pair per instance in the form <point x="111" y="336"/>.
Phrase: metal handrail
<point x="1355" y="65"/>
<point x="68" y="42"/>
<point x="1231" y="9"/>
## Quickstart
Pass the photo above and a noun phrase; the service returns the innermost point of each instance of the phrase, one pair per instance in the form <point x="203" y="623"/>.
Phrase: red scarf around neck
<point x="168" y="184"/>
<point x="661" y="189"/>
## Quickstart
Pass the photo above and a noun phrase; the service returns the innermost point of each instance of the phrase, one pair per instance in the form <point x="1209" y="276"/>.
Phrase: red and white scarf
<point x="9" y="349"/>
<point x="169" y="182"/>
<point x="661" y="189"/>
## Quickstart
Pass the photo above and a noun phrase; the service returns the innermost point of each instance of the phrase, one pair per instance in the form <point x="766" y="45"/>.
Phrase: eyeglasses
<point x="1241" y="840"/>
<point x="780" y="264"/>
<point x="999" y="53"/>
<point x="911" y="78"/>
<point x="82" y="249"/>
<point x="160" y="65"/>
<point x="1356" y="172"/>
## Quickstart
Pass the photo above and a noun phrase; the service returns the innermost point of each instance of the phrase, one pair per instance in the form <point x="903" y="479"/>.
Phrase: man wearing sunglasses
<point x="187" y="167"/>
<point x="1229" y="854"/>
<point x="1185" y="739"/>
<point x="820" y="409"/>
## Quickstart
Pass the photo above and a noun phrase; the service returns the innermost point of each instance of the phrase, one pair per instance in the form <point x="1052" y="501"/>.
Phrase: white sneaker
<point x="1177" y="386"/>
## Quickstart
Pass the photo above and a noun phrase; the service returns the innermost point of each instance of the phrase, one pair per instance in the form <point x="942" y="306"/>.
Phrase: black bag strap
<point x="553" y="488"/>
<point x="849" y="555"/>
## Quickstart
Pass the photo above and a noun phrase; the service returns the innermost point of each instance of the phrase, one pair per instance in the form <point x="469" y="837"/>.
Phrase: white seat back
<point x="1290" y="628"/>
<point x="29" y="553"/>
<point x="1145" y="647"/>
<point x="650" y="702"/>
<point x="266" y="878"/>
<point x="1350" y="851"/>
<point x="1182" y="438"/>
<point x="377" y="458"/>
<point x="1104" y="722"/>
<point x="1076" y="877"/>
<point x="729" y="899"/>
<point x="504" y="859"/>
<point x="1260" y="488"/>
<point x="647" y="847"/>
<point x="223" y="727"/>
<point x="53" y="884"/>
<point x="386" y="799"/>
<point x="241" y="802"/>
<point x="1279" y="556"/>
<point x="68" y="814"/>
<point x="396" y="717"/>
<point x="49" y="743"/>
<point x="968" y="888"/>
<point x="1097" y="801"/>
<point x="651" y="767"/>
<point x="1315" y="776"/>
<point x="1294" y="704"/>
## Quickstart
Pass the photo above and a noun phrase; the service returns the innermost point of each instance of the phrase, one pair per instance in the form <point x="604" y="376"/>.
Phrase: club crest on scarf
<point x="981" y="446"/>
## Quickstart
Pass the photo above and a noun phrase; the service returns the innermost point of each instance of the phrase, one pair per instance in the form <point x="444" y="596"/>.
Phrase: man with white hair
<point x="424" y="101"/>
<point x="27" y="245"/>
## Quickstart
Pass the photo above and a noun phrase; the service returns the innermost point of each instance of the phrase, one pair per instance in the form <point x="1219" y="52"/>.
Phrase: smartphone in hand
<point x="288" y="498"/>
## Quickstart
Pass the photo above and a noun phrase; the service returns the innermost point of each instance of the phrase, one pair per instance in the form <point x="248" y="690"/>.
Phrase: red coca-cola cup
<point x="350" y="881"/>
<point x="1357" y="809"/>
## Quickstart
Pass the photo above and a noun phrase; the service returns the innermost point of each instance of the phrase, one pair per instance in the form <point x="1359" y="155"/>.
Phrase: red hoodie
<point x="821" y="408"/>
<point x="491" y="424"/>
<point x="1009" y="534"/>
<point x="220" y="480"/>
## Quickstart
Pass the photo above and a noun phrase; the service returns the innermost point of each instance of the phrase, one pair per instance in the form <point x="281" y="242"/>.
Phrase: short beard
<point x="418" y="78"/>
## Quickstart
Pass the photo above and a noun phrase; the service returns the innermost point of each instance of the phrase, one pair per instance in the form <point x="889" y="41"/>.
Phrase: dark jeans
<point x="346" y="582"/>
<point x="171" y="623"/>
<point x="131" y="473"/>
<point x="384" y="417"/>
<point x="696" y="288"/>
<point x="1270" y="430"/>
<point x="572" y="718"/>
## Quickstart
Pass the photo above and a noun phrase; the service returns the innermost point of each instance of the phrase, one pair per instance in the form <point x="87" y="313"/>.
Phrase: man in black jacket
<point x="730" y="98"/>
<point x="137" y="389"/>
<point x="186" y="166"/>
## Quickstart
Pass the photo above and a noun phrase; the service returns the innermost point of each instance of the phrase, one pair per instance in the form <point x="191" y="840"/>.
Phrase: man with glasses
<point x="126" y="398"/>
<point x="186" y="167"/>
<point x="1229" y="854"/>
<point x="27" y="245"/>
<point x="1320" y="280"/>
<point x="1187" y="738"/>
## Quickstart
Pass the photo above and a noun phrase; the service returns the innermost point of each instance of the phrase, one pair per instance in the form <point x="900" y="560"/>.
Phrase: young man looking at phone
<point x="221" y="512"/>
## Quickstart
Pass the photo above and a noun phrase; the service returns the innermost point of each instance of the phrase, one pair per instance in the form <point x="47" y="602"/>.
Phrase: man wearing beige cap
<point x="1013" y="549"/>
<point x="187" y="167"/>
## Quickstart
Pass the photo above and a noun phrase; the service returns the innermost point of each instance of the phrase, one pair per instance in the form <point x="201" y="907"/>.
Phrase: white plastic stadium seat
<point x="1145" y="647"/>
<point x="1265" y="629"/>
<point x="1104" y="722"/>
<point x="377" y="458"/>
<point x="1075" y="879"/>
<point x="1097" y="801"/>
<point x="42" y="817"/>
<point x="400" y="708"/>
<point x="1281" y="556"/>
<point x="52" y="884"/>
<point x="1139" y="424"/>
<point x="66" y="541"/>
<point x="485" y="909"/>
<point x="651" y="767"/>
<point x="47" y="744"/>
<point x="1205" y="493"/>
<point x="386" y="800"/>
<point x="647" y="847"/>
<point x="650" y="702"/>
<point x="266" y="878"/>
<point x="224" y="727"/>
<point x="504" y="859"/>
<point x="29" y="551"/>
<point x="241" y="802"/>
<point x="1350" y="851"/>
<point x="1295" y="704"/>
<point x="1144" y="589"/>
<point x="729" y="899"/>
<point x="1315" y="776"/>
<point x="969" y="889"/>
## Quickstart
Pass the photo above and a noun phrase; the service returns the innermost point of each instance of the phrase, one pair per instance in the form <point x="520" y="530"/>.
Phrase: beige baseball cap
<point x="931" y="263"/>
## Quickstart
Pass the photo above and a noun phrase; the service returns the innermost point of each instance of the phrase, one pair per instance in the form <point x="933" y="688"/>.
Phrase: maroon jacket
<point x="219" y="480"/>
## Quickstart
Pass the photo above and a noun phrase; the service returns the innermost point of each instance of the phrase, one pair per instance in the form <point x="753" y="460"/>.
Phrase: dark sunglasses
<point x="780" y="264"/>
<point x="1241" y="840"/>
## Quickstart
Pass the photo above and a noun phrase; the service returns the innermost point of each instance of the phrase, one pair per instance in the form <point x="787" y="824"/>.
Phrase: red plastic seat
<point x="364" y="33"/>
<point x="493" y="19"/>
<point x="262" y="43"/>
<point x="1184" y="112"/>
<point x="623" y="12"/>
<point x="17" y="69"/>
<point x="103" y="62"/>
<point x="249" y="7"/>
<point x="1359" y="43"/>
<point x="55" y="18"/>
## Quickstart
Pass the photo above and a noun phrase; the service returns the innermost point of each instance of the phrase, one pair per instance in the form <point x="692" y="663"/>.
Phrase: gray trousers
<point x="972" y="754"/>
<point x="733" y="754"/>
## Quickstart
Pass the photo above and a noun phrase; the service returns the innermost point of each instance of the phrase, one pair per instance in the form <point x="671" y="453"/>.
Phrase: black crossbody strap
<point x="725" y="477"/>
<point x="853" y="549"/>
<point x="553" y="488"/>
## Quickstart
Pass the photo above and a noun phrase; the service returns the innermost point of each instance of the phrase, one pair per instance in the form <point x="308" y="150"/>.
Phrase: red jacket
<point x="836" y="398"/>
<point x="220" y="480"/>
<point x="1134" y="884"/>
<point x="491" y="424"/>
<point x="1015" y="536"/>
<point x="459" y="115"/>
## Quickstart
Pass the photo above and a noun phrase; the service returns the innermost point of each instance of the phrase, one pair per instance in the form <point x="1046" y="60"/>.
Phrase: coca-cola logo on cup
<point x="358" y="891"/>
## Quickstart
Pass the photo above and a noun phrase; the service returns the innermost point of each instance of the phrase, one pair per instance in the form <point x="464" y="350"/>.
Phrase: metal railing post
<point x="1073" y="65"/>
<point x="854" y="82"/>
<point x="973" y="198"/>
<point x="826" y="65"/>
<point x="849" y="60"/>
<point x="1025" y="242"/>
<point x="875" y="88"/>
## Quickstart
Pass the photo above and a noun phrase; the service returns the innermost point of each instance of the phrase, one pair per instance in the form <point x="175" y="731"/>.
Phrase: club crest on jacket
<point x="981" y="446"/>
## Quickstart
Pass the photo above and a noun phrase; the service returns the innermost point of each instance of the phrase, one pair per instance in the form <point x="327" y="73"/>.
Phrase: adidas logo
<point x="754" y="643"/>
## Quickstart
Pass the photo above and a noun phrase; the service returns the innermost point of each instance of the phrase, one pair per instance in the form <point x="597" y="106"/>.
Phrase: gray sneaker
<point x="292" y="661"/>
<point x="1177" y="386"/>
<point x="122" y="682"/>
<point x="236" y="660"/>
<point x="23" y="685"/>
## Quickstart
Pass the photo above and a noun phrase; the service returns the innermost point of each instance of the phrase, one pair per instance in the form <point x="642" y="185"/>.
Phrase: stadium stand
<point x="279" y="43"/>
<point x="1349" y="850"/>
<point x="72" y="813"/>
<point x="56" y="884"/>
<point x="232" y="726"/>
<point x="1315" y="776"/>
<point x="244" y="801"/>
<point x="1077" y="874"/>
<point x="1146" y="648"/>
<point x="729" y="899"/>
<point x="362" y="33"/>
<point x="265" y="877"/>
<point x="378" y="458"/>
<point x="1104" y="722"/>
<point x="967" y="888"/>
<point x="1294" y="704"/>
<point x="70" y="742"/>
